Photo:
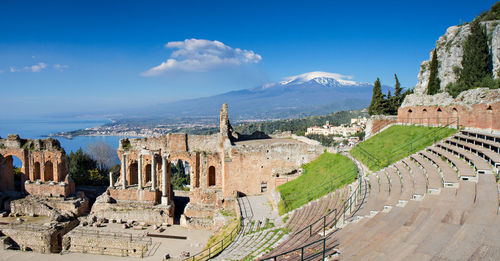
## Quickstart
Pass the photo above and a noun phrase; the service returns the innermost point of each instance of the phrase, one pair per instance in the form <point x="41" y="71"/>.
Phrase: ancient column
<point x="111" y="179"/>
<point x="164" y="173"/>
<point x="139" y="172"/>
<point x="124" y="171"/>
<point x="153" y="171"/>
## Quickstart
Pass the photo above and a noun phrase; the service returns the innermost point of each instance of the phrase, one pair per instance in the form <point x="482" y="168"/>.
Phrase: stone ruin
<point x="476" y="109"/>
<point x="42" y="189"/>
<point x="220" y="166"/>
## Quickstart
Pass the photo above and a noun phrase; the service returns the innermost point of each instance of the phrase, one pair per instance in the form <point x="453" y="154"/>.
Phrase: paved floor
<point x="196" y="240"/>
<point x="262" y="209"/>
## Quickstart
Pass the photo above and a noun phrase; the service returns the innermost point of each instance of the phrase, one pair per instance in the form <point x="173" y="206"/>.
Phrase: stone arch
<point x="9" y="181"/>
<point x="489" y="108"/>
<point x="211" y="176"/>
<point x="193" y="167"/>
<point x="133" y="173"/>
<point x="36" y="171"/>
<point x="48" y="173"/>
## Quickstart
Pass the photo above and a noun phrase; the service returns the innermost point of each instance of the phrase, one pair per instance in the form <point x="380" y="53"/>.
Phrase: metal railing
<point x="302" y="251"/>
<point x="218" y="247"/>
<point x="334" y="216"/>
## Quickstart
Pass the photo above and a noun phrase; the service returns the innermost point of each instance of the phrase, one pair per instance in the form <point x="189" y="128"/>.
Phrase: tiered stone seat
<point x="435" y="181"/>
<point x="483" y="148"/>
<point x="306" y="216"/>
<point x="464" y="170"/>
<point x="448" y="174"/>
<point x="459" y="223"/>
<point x="478" y="163"/>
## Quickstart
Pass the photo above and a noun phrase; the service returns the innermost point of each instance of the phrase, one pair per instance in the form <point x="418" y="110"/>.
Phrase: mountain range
<point x="302" y="95"/>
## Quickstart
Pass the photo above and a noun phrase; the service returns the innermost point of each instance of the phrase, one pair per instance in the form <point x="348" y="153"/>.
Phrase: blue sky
<point x="66" y="57"/>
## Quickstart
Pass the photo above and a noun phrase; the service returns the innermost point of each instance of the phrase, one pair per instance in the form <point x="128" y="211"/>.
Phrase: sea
<point x="40" y="128"/>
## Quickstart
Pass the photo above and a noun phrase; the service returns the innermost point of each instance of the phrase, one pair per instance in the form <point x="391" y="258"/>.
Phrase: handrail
<point x="218" y="247"/>
<point x="347" y="204"/>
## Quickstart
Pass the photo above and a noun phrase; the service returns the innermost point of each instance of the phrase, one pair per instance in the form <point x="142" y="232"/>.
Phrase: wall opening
<point x="36" y="171"/>
<point x="147" y="174"/>
<point x="48" y="172"/>
<point x="211" y="176"/>
<point x="133" y="173"/>
<point x="11" y="173"/>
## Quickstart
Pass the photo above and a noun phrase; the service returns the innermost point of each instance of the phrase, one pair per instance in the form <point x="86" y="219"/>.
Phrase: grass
<point x="393" y="144"/>
<point x="222" y="234"/>
<point x="321" y="176"/>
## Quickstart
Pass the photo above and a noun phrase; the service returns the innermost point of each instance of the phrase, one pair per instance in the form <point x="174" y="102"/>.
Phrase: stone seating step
<point x="449" y="175"/>
<point x="481" y="166"/>
<point x="407" y="180"/>
<point x="431" y="171"/>
<point x="464" y="170"/>
<point x="418" y="176"/>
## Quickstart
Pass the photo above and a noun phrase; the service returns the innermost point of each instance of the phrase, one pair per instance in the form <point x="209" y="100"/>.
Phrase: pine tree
<point x="434" y="82"/>
<point x="376" y="105"/>
<point x="476" y="59"/>
<point x="388" y="104"/>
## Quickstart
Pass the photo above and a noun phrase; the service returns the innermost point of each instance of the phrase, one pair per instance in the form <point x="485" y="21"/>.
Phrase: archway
<point x="48" y="172"/>
<point x="211" y="176"/>
<point x="36" y="171"/>
<point x="439" y="116"/>
<point x="133" y="172"/>
<point x="11" y="172"/>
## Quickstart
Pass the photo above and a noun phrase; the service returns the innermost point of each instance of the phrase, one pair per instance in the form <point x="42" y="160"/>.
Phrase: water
<point x="39" y="128"/>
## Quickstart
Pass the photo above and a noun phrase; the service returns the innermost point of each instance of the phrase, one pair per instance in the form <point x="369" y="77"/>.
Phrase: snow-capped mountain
<point x="306" y="94"/>
<point x="316" y="78"/>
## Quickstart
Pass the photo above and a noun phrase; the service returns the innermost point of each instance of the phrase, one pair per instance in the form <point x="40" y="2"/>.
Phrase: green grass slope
<point x="326" y="173"/>
<point x="396" y="143"/>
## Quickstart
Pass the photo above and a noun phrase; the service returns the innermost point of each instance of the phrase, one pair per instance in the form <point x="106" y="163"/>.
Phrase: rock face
<point x="466" y="98"/>
<point x="449" y="50"/>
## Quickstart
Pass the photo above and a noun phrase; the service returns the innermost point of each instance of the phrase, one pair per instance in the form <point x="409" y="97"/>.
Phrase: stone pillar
<point x="153" y="171"/>
<point x="139" y="172"/>
<point x="124" y="171"/>
<point x="164" y="180"/>
<point x="111" y="179"/>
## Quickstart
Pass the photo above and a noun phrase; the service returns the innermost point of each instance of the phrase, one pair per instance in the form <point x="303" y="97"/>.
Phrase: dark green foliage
<point x="179" y="177"/>
<point x="389" y="104"/>
<point x="376" y="105"/>
<point x="492" y="14"/>
<point x="434" y="82"/>
<point x="476" y="59"/>
<point x="476" y="70"/>
<point x="298" y="126"/>
<point x="85" y="171"/>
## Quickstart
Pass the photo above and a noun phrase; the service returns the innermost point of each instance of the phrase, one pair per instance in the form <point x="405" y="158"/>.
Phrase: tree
<point x="398" y="92"/>
<point x="476" y="59"/>
<point x="434" y="84"/>
<point x="103" y="154"/>
<point x="80" y="164"/>
<point x="376" y="105"/>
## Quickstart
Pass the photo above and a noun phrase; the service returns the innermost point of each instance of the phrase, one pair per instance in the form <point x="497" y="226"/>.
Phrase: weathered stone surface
<point x="132" y="211"/>
<point x="55" y="208"/>
<point x="466" y="98"/>
<point x="449" y="50"/>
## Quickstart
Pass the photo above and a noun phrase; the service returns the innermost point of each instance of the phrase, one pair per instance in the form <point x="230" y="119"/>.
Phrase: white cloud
<point x="13" y="69"/>
<point x="199" y="55"/>
<point x="36" y="68"/>
<point x="60" y="67"/>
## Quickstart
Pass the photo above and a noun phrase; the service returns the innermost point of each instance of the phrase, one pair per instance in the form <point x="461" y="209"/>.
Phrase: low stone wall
<point x="134" y="194"/>
<point x="48" y="189"/>
<point x="106" y="243"/>
<point x="55" y="208"/>
<point x="132" y="211"/>
<point x="46" y="238"/>
<point x="376" y="123"/>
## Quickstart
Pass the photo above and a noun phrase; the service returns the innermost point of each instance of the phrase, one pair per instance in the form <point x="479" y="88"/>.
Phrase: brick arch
<point x="7" y="179"/>
<point x="193" y="164"/>
<point x="48" y="173"/>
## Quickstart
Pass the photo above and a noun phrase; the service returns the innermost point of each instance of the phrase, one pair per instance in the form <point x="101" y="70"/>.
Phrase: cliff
<point x="449" y="50"/>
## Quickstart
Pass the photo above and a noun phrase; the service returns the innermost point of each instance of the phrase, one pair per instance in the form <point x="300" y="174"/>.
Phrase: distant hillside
<point x="303" y="95"/>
